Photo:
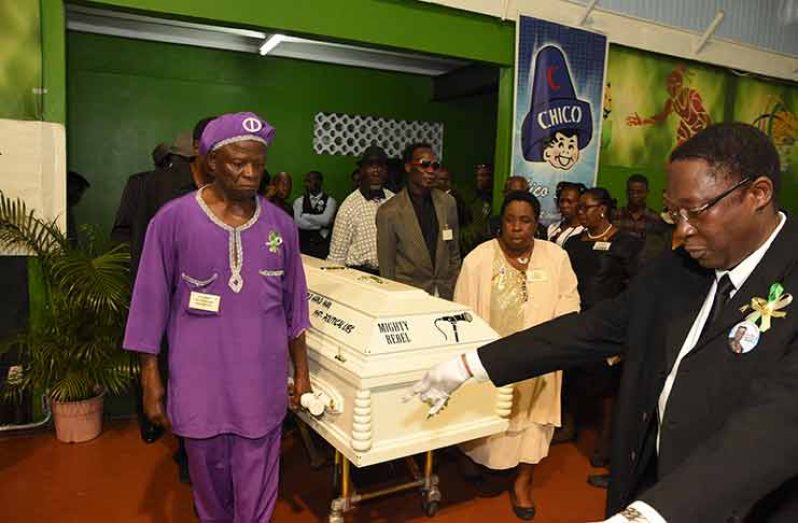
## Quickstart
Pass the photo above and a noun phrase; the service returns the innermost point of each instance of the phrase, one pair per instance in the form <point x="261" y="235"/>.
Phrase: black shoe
<point x="149" y="432"/>
<point x="599" y="480"/>
<point x="525" y="513"/>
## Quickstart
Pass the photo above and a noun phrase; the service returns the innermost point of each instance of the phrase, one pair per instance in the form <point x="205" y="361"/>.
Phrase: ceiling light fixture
<point x="271" y="43"/>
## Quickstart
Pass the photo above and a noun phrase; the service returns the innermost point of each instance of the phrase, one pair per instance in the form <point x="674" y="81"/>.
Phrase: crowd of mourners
<point x="404" y="220"/>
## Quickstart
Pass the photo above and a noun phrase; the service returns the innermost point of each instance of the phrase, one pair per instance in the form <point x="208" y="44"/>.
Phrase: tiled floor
<point x="118" y="479"/>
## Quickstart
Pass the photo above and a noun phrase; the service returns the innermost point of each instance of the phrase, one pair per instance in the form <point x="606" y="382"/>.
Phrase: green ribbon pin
<point x="764" y="310"/>
<point x="274" y="242"/>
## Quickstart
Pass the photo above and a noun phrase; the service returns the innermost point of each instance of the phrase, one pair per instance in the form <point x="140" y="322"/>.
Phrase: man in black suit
<point x="181" y="171"/>
<point x="703" y="433"/>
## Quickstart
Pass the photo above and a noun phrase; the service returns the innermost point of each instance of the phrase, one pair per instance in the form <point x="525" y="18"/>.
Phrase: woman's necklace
<point x="599" y="235"/>
<point x="524" y="259"/>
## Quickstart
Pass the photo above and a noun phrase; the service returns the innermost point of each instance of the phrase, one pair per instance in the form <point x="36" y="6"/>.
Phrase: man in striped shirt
<point x="354" y="237"/>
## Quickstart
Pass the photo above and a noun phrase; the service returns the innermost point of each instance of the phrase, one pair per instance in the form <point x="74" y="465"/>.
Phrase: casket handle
<point x="314" y="402"/>
<point x="324" y="398"/>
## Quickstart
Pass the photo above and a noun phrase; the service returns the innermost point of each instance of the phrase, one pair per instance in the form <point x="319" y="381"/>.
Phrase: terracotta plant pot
<point x="77" y="421"/>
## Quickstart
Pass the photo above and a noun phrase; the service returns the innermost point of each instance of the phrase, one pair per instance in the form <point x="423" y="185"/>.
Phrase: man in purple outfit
<point x="220" y="273"/>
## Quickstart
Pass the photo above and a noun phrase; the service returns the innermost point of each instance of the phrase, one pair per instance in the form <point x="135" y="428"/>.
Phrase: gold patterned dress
<point x="512" y="300"/>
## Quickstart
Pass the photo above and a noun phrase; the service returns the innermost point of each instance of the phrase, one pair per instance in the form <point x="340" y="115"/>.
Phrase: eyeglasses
<point x="428" y="164"/>
<point x="691" y="215"/>
<point x="582" y="207"/>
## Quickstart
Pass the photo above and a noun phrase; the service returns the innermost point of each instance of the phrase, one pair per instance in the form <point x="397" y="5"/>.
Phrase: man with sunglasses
<point x="417" y="230"/>
<point x="703" y="434"/>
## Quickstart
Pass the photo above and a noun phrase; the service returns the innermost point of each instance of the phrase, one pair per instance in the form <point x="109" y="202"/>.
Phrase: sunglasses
<point x="428" y="164"/>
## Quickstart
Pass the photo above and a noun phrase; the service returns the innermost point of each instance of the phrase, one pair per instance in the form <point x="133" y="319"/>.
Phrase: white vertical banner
<point x="559" y="86"/>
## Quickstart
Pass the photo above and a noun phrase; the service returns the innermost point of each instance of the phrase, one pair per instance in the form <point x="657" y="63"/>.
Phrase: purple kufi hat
<point x="235" y="127"/>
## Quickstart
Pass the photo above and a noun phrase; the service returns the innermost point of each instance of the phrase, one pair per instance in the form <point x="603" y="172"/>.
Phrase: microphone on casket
<point x="453" y="320"/>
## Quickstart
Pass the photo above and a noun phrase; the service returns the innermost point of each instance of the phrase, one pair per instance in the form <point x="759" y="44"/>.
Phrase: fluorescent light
<point x="271" y="43"/>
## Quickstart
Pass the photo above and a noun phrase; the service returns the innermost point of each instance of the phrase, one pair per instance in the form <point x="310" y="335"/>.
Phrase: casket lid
<point x="372" y="315"/>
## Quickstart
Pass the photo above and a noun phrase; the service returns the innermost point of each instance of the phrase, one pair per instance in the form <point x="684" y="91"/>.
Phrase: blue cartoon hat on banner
<point x="554" y="106"/>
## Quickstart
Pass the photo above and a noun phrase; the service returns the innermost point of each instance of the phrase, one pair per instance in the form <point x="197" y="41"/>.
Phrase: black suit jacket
<point x="144" y="194"/>
<point x="729" y="436"/>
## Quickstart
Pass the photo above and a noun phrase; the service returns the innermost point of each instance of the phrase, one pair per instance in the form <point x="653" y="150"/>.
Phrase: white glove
<point x="438" y="383"/>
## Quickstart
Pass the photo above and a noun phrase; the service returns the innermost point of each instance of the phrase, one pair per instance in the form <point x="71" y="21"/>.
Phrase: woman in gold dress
<point x="515" y="282"/>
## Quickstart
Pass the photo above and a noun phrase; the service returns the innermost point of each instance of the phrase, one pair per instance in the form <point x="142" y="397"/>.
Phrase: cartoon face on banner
<point x="558" y="124"/>
<point x="562" y="151"/>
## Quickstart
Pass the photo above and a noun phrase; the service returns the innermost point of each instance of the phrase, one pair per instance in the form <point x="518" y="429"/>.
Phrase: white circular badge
<point x="252" y="125"/>
<point x="743" y="337"/>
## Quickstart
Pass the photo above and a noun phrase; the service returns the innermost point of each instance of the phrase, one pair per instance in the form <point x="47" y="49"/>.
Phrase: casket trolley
<point x="370" y="340"/>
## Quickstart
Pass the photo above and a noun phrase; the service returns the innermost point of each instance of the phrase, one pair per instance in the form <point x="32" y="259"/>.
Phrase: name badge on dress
<point x="204" y="302"/>
<point x="536" y="275"/>
<point x="602" y="246"/>
<point x="447" y="235"/>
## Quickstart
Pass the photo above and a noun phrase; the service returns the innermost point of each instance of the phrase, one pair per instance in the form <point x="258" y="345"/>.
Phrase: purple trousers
<point x="234" y="479"/>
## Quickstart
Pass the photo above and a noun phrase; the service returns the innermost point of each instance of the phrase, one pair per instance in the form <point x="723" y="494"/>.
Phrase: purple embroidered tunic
<point x="228" y="369"/>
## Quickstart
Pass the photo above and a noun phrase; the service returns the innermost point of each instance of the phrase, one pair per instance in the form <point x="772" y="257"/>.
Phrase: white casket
<point x="371" y="339"/>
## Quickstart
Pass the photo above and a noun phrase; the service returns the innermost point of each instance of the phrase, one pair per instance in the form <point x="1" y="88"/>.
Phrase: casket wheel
<point x="430" y="507"/>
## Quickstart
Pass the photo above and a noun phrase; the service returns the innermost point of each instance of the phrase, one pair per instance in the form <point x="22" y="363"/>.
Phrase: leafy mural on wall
<point x="774" y="109"/>
<point x="20" y="59"/>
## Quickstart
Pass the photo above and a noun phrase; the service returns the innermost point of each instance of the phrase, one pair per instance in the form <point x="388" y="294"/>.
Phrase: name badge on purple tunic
<point x="204" y="302"/>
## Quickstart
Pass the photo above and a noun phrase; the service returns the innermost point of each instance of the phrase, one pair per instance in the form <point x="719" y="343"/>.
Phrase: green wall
<point x="400" y="24"/>
<point x="125" y="96"/>
<point x="20" y="59"/>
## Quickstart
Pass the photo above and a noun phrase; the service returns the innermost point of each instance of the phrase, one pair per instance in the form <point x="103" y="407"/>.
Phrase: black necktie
<point x="722" y="295"/>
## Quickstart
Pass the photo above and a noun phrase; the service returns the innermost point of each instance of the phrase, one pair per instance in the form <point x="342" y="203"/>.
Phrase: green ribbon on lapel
<point x="764" y="310"/>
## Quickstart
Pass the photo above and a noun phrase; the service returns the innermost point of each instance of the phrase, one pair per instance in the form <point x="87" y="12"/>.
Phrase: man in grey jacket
<point x="417" y="230"/>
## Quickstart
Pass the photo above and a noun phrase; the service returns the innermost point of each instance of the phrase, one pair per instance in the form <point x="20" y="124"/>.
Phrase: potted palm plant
<point x="72" y="350"/>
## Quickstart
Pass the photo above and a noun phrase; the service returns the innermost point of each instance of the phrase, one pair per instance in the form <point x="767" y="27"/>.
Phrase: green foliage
<point x="75" y="350"/>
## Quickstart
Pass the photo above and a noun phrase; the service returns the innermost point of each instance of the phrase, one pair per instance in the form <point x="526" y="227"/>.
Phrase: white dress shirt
<point x="738" y="275"/>
<point x="315" y="222"/>
<point x="564" y="233"/>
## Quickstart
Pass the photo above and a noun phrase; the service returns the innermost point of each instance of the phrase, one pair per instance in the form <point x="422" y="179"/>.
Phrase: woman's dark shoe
<point x="599" y="480"/>
<point x="525" y="513"/>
